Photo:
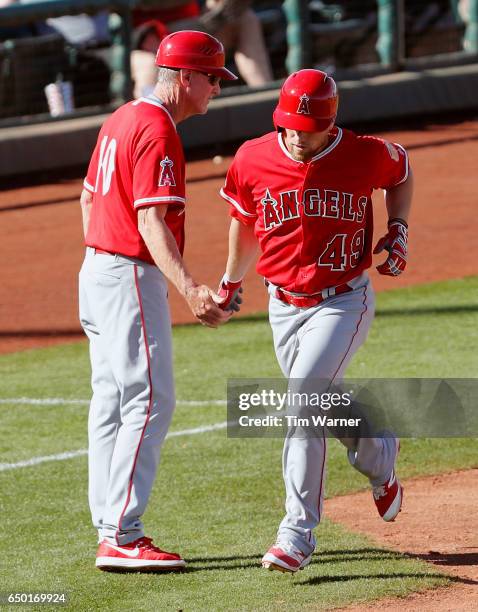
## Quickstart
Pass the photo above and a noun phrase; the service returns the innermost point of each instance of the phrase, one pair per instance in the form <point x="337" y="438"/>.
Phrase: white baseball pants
<point x="125" y="313"/>
<point x="318" y="343"/>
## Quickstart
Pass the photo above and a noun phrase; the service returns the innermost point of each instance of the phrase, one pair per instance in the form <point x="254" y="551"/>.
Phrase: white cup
<point x="59" y="96"/>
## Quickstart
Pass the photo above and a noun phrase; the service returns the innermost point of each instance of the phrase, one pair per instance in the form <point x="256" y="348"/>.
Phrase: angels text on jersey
<point x="326" y="203"/>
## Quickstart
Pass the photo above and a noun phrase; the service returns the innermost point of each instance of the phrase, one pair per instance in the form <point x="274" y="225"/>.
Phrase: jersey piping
<point x="236" y="204"/>
<point x="159" y="199"/>
<point x="406" y="164"/>
<point x="86" y="185"/>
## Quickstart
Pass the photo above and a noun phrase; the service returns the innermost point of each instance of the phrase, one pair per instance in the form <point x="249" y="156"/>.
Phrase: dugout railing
<point x="351" y="39"/>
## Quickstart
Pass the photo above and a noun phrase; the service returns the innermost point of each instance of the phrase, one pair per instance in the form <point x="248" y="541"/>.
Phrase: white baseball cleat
<point x="285" y="558"/>
<point x="140" y="555"/>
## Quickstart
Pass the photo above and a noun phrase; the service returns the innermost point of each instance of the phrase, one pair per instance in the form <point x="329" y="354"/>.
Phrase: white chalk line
<point x="79" y="453"/>
<point x="59" y="401"/>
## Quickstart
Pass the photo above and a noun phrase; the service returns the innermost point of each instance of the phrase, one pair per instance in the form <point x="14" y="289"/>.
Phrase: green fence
<point x="350" y="39"/>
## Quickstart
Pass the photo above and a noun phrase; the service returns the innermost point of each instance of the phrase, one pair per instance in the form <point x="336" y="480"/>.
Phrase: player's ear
<point x="185" y="77"/>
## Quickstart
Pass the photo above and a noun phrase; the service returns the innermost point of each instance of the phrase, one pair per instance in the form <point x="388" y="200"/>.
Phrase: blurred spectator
<point x="89" y="65"/>
<point x="333" y="11"/>
<point x="343" y="33"/>
<point x="464" y="10"/>
<point x="421" y="16"/>
<point x="232" y="21"/>
<point x="78" y="30"/>
<point x="54" y="52"/>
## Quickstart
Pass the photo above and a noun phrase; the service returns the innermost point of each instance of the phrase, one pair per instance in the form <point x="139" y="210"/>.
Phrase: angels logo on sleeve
<point x="303" y="107"/>
<point x="166" y="177"/>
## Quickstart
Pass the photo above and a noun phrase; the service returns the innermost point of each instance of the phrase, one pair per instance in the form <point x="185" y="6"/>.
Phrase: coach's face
<point x="304" y="145"/>
<point x="202" y="88"/>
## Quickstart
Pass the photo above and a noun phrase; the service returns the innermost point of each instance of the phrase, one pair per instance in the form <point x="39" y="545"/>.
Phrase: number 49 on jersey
<point x="343" y="251"/>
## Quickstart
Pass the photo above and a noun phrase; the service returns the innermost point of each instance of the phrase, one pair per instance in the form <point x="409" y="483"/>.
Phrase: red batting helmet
<point x="195" y="51"/>
<point x="308" y="102"/>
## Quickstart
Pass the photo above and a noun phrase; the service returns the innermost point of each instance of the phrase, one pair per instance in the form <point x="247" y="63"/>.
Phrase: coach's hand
<point x="203" y="304"/>
<point x="395" y="242"/>
<point x="230" y="294"/>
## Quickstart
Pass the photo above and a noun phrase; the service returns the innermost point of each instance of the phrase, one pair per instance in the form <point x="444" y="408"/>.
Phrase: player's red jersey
<point x="138" y="161"/>
<point x="313" y="220"/>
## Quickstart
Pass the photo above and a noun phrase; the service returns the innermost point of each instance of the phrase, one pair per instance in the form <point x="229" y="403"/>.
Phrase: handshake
<point x="213" y="309"/>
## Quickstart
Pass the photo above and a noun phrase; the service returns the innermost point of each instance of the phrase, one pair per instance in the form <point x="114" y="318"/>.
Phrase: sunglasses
<point x="212" y="78"/>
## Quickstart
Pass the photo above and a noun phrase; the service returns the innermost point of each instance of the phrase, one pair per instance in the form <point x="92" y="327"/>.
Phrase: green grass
<point x="219" y="500"/>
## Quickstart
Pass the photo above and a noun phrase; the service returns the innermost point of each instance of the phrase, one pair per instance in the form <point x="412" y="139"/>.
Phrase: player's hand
<point x="230" y="294"/>
<point x="395" y="242"/>
<point x="203" y="304"/>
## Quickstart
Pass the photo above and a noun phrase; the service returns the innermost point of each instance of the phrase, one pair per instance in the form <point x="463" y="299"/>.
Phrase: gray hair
<point x="167" y="78"/>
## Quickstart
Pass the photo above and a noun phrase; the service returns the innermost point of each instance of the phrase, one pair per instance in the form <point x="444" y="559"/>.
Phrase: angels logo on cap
<point x="166" y="178"/>
<point x="303" y="107"/>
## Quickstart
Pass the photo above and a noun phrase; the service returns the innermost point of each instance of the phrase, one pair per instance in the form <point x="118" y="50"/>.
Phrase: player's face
<point x="304" y="145"/>
<point x="204" y="87"/>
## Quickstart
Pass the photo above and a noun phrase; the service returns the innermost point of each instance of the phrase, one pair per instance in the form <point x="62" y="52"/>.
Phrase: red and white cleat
<point x="388" y="498"/>
<point x="285" y="558"/>
<point x="136" y="556"/>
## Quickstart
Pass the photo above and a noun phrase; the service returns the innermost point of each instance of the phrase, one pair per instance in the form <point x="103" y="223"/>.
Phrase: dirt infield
<point x="42" y="238"/>
<point x="438" y="524"/>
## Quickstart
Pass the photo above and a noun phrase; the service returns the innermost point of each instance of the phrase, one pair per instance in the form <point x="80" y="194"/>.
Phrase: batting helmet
<point x="195" y="51"/>
<point x="308" y="102"/>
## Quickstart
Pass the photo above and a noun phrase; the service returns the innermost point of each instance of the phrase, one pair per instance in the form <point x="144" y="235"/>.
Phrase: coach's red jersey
<point x="313" y="220"/>
<point x="138" y="161"/>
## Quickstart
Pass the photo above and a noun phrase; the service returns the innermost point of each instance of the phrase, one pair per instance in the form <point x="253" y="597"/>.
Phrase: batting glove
<point x="395" y="242"/>
<point x="231" y="293"/>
